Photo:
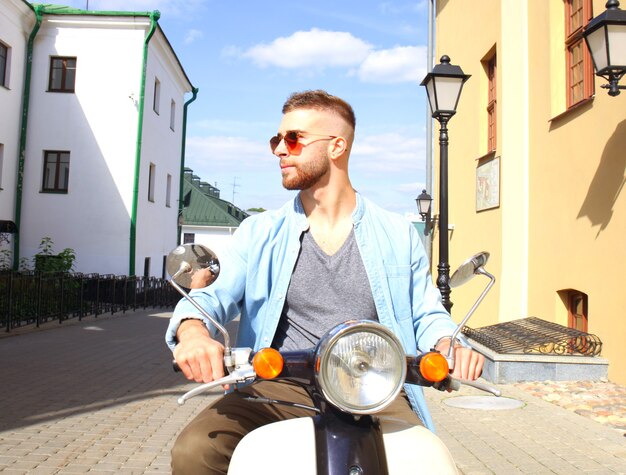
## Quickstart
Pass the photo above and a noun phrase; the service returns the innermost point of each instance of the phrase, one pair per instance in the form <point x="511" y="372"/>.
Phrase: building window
<point x="56" y="171"/>
<point x="492" y="95"/>
<point x="189" y="238"/>
<point x="172" y="114"/>
<point x="580" y="79"/>
<point x="1" y="163"/>
<point x="168" y="191"/>
<point x="157" y="95"/>
<point x="62" y="74"/>
<point x="151" y="180"/>
<point x="4" y="65"/>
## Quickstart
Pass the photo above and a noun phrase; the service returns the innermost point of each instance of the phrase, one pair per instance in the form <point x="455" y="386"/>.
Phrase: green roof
<point x="207" y="210"/>
<point x="52" y="9"/>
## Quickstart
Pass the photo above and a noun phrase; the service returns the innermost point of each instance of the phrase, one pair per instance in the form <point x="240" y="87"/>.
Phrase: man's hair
<point x="320" y="100"/>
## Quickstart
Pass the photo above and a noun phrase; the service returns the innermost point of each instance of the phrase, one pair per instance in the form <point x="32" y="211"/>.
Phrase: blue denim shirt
<point x="256" y="270"/>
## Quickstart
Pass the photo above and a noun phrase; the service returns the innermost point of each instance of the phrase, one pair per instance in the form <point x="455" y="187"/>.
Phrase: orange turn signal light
<point x="434" y="367"/>
<point x="268" y="363"/>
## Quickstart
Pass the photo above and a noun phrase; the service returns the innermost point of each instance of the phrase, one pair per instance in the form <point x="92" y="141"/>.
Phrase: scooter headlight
<point x="360" y="366"/>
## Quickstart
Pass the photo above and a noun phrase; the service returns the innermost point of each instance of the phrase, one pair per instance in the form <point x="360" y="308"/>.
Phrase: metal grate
<point x="534" y="335"/>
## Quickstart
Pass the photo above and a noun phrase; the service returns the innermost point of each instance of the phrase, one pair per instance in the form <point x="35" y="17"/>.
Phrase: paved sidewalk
<point x="99" y="396"/>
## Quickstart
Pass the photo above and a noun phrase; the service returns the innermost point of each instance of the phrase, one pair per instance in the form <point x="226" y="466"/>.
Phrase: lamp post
<point x="606" y="39"/>
<point x="443" y="88"/>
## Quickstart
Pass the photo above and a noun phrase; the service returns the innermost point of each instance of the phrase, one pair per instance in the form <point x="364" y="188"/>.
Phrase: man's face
<point x="306" y="164"/>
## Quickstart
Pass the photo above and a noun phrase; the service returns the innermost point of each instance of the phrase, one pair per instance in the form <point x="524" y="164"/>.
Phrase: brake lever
<point x="455" y="385"/>
<point x="236" y="377"/>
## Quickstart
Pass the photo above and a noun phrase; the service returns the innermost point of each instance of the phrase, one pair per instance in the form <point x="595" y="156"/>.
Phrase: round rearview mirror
<point x="186" y="259"/>
<point x="468" y="269"/>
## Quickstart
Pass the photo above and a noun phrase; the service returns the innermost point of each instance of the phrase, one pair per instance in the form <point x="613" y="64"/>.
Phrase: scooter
<point x="356" y="370"/>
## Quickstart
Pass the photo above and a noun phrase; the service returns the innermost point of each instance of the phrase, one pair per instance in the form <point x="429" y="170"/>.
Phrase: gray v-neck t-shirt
<point x="323" y="292"/>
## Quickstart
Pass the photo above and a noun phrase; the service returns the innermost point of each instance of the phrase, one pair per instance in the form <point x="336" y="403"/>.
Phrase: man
<point x="325" y="257"/>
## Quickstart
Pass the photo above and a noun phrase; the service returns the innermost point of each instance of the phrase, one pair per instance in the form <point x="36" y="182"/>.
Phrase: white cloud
<point x="317" y="49"/>
<point x="399" y="64"/>
<point x="229" y="127"/>
<point x="225" y="153"/>
<point x="193" y="35"/>
<point x="389" y="153"/>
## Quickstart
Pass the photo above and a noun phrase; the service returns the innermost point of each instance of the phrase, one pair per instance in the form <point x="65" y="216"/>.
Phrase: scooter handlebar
<point x="177" y="368"/>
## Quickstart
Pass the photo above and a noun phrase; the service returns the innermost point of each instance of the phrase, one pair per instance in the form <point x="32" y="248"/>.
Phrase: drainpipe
<point x="429" y="121"/>
<point x="38" y="9"/>
<point x="154" y="18"/>
<point x="194" y="91"/>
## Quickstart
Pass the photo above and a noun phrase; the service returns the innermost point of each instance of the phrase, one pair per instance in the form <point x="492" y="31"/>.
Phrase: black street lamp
<point x="606" y="39"/>
<point x="443" y="87"/>
<point x="424" y="202"/>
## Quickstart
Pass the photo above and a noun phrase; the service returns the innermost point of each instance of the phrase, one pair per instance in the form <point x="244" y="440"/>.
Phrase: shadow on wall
<point x="608" y="182"/>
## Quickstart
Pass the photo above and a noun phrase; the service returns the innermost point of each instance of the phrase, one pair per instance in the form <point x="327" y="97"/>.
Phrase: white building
<point x="16" y="18"/>
<point x="102" y="144"/>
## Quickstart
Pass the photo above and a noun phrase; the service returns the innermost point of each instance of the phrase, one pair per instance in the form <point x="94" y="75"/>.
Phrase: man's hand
<point x="200" y="357"/>
<point x="468" y="364"/>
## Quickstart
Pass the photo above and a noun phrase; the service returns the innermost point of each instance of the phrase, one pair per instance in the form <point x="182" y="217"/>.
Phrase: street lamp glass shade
<point x="443" y="93"/>
<point x="606" y="39"/>
<point x="608" y="47"/>
<point x="443" y="87"/>
<point x="423" y="203"/>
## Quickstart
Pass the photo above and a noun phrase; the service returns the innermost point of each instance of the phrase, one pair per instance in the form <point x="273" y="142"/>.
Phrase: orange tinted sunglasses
<point x="293" y="138"/>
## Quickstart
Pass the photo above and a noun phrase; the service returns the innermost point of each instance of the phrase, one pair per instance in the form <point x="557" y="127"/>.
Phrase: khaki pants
<point x="207" y="443"/>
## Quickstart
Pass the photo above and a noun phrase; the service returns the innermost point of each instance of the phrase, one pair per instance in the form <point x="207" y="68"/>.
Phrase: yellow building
<point x="537" y="161"/>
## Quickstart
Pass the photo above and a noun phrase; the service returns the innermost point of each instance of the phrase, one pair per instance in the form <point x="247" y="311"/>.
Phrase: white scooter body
<point x="288" y="447"/>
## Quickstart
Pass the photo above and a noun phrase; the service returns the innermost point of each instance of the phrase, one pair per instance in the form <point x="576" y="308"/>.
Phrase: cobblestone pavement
<point x="99" y="397"/>
<point x="537" y="438"/>
<point x="601" y="401"/>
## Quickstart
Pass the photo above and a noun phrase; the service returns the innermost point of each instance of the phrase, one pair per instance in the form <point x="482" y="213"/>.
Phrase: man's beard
<point x="308" y="173"/>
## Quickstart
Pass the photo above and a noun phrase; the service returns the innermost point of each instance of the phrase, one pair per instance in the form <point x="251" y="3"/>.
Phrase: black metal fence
<point x="28" y="298"/>
<point x="534" y="335"/>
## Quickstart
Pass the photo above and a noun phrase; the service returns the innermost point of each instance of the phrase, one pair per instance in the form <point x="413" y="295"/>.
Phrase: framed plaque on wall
<point x="488" y="184"/>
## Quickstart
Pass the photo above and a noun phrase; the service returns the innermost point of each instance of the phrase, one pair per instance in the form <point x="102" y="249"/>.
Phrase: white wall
<point x="97" y="124"/>
<point x="16" y="23"/>
<point x="157" y="223"/>
<point x="215" y="238"/>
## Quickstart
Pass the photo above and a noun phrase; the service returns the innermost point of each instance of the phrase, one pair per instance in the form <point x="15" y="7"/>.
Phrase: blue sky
<point x="247" y="56"/>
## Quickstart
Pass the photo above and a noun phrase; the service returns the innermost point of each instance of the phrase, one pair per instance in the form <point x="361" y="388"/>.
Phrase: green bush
<point x="5" y="259"/>
<point x="46" y="261"/>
